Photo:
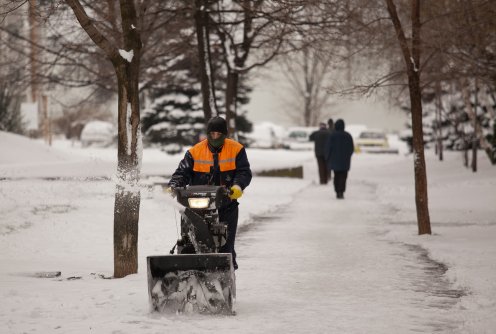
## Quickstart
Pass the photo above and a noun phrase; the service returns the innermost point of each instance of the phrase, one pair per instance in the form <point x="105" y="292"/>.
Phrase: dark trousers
<point x="340" y="181"/>
<point x="229" y="214"/>
<point x="323" y="173"/>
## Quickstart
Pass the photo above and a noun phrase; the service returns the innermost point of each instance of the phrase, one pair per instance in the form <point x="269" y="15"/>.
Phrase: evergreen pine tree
<point x="10" y="115"/>
<point x="454" y="124"/>
<point x="11" y="80"/>
<point x="175" y="116"/>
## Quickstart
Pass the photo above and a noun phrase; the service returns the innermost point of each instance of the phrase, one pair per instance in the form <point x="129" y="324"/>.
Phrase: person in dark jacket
<point x="319" y="138"/>
<point x="330" y="125"/>
<point x="339" y="150"/>
<point x="330" y="128"/>
<point x="217" y="160"/>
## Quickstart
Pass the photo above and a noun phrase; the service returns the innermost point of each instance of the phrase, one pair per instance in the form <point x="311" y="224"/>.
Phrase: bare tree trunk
<point x="307" y="109"/>
<point x="45" y="120"/>
<point x="239" y="55"/>
<point x="33" y="53"/>
<point x="475" y="142"/>
<point x="231" y="101"/>
<point x="412" y="63"/>
<point x="465" y="154"/>
<point x="127" y="196"/>
<point x="421" y="198"/>
<point x="205" y="62"/>
<point x="439" y="130"/>
<point x="474" y="153"/>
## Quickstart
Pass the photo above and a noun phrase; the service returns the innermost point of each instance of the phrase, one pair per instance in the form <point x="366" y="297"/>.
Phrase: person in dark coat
<point x="330" y="128"/>
<point x="330" y="125"/>
<point x="339" y="150"/>
<point x="217" y="160"/>
<point x="319" y="138"/>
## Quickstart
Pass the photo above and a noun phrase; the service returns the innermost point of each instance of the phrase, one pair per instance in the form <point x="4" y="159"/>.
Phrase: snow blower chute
<point x="198" y="278"/>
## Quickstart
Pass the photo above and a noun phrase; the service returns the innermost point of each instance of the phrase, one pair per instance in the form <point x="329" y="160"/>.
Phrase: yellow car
<point x="374" y="141"/>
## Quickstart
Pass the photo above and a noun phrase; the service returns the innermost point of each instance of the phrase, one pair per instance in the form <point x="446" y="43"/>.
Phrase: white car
<point x="298" y="138"/>
<point x="98" y="133"/>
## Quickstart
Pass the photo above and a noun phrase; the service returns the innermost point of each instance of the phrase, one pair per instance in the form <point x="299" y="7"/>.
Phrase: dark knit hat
<point x="217" y="124"/>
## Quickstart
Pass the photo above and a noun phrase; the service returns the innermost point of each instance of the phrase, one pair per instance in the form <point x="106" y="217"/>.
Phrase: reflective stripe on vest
<point x="203" y="159"/>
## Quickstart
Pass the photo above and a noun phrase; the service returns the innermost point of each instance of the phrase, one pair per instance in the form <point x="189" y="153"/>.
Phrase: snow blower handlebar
<point x="171" y="190"/>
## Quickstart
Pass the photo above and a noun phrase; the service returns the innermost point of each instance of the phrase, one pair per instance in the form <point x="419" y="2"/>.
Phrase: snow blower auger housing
<point x="198" y="279"/>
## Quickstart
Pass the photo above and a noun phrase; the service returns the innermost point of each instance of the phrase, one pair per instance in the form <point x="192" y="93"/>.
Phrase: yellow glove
<point x="171" y="191"/>
<point x="236" y="192"/>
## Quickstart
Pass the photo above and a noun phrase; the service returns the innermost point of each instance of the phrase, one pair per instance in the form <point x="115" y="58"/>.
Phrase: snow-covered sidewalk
<point x="332" y="272"/>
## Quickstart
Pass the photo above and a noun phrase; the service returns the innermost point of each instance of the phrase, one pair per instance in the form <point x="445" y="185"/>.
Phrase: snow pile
<point x="18" y="150"/>
<point x="24" y="157"/>
<point x="193" y="291"/>
<point x="27" y="158"/>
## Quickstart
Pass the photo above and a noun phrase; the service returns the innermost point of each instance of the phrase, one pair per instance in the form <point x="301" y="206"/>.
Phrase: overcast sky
<point x="267" y="104"/>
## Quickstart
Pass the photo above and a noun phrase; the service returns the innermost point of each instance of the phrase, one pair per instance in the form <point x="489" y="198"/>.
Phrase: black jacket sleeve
<point x="312" y="136"/>
<point x="183" y="173"/>
<point x="243" y="171"/>
<point x="351" y="144"/>
<point x="328" y="148"/>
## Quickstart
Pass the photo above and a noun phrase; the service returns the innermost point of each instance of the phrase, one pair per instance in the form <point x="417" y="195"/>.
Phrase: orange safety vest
<point x="203" y="159"/>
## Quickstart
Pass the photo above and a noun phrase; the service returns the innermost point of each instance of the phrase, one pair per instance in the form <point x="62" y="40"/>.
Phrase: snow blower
<point x="198" y="279"/>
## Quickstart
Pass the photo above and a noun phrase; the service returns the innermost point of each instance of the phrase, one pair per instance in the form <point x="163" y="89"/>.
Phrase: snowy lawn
<point x="308" y="263"/>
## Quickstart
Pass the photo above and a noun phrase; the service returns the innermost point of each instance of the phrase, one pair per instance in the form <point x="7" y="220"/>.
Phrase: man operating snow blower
<point x="218" y="161"/>
<point x="207" y="183"/>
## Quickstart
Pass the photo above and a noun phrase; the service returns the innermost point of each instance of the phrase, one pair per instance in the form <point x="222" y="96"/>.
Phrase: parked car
<point x="98" y="133"/>
<point x="373" y="141"/>
<point x="298" y="138"/>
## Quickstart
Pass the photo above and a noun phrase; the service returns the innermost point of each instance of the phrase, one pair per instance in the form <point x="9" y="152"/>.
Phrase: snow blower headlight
<point x="198" y="203"/>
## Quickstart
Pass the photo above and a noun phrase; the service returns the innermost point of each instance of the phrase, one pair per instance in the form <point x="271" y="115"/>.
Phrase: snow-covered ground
<point x="309" y="263"/>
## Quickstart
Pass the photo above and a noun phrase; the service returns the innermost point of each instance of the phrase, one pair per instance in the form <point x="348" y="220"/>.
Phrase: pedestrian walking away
<point x="339" y="149"/>
<point x="319" y="138"/>
<point x="219" y="161"/>
<point x="330" y="125"/>
<point x="330" y="128"/>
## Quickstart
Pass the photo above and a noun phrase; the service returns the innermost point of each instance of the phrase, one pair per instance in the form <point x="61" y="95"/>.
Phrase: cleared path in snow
<point x="324" y="269"/>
